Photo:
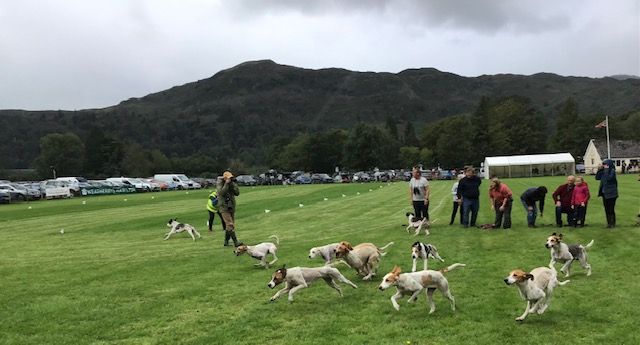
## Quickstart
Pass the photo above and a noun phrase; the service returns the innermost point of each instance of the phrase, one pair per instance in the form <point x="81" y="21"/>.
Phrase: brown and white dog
<point x="260" y="251"/>
<point x="567" y="254"/>
<point x="364" y="257"/>
<point x="413" y="283"/>
<point x="297" y="278"/>
<point x="536" y="287"/>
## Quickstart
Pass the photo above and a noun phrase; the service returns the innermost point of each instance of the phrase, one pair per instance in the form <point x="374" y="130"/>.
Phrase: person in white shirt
<point x="419" y="194"/>
<point x="456" y="201"/>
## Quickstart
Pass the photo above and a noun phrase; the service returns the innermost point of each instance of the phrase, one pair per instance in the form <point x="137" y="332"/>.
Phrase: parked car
<point x="131" y="182"/>
<point x="181" y="180"/>
<point x="14" y="193"/>
<point x="156" y="185"/>
<point x="74" y="183"/>
<point x="5" y="197"/>
<point x="445" y="175"/>
<point x="361" y="176"/>
<point x="35" y="186"/>
<point x="321" y="178"/>
<point x="302" y="179"/>
<point x="342" y="178"/>
<point x="31" y="193"/>
<point x="246" y="180"/>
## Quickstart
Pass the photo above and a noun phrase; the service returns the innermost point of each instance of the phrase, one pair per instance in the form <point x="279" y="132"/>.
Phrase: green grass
<point x="111" y="279"/>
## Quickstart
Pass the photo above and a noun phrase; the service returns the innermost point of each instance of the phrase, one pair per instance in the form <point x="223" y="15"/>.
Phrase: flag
<point x="602" y="124"/>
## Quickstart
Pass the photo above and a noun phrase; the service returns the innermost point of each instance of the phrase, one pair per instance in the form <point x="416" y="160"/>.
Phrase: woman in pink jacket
<point x="579" y="199"/>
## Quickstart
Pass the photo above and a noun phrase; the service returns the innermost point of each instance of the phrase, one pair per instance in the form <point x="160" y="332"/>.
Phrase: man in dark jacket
<point x="469" y="193"/>
<point x="608" y="190"/>
<point x="562" y="198"/>
<point x="227" y="192"/>
<point x="529" y="198"/>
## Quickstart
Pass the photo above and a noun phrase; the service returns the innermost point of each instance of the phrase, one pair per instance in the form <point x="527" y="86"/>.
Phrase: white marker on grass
<point x="84" y="202"/>
<point x="29" y="207"/>
<point x="61" y="231"/>
<point x="343" y="195"/>
<point x="267" y="211"/>
<point x="300" y="205"/>
<point x="125" y="200"/>
<point x="325" y="199"/>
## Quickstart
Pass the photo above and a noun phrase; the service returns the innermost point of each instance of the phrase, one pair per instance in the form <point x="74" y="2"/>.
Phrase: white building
<point x="552" y="164"/>
<point x="622" y="151"/>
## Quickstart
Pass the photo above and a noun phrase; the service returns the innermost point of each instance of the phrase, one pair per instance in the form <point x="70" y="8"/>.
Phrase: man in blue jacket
<point x="608" y="190"/>
<point x="469" y="192"/>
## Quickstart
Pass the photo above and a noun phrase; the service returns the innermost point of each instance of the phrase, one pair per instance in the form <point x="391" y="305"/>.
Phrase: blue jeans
<point x="531" y="215"/>
<point x="470" y="205"/>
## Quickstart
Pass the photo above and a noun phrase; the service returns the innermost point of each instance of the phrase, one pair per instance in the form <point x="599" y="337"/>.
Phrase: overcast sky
<point x="62" y="54"/>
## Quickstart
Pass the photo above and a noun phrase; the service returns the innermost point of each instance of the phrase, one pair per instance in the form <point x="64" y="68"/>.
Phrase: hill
<point x="239" y="111"/>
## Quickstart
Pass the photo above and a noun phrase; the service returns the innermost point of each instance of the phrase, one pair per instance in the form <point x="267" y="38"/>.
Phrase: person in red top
<point x="501" y="201"/>
<point x="579" y="199"/>
<point x="562" y="199"/>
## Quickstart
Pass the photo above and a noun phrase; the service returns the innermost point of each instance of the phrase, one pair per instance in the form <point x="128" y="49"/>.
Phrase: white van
<point x="180" y="180"/>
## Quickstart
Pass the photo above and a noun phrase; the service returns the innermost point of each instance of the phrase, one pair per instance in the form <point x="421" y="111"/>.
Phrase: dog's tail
<point x="452" y="267"/>
<point x="589" y="245"/>
<point x="381" y="250"/>
<point x="277" y="239"/>
<point x="563" y="282"/>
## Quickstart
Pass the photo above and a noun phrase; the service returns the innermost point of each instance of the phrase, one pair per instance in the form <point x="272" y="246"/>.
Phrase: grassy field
<point x="111" y="279"/>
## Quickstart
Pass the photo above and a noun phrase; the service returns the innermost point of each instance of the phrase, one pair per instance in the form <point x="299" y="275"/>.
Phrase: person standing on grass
<point x="529" y="199"/>
<point x="456" y="201"/>
<point x="212" y="208"/>
<point x="579" y="199"/>
<point x="608" y="190"/>
<point x="419" y="194"/>
<point x="501" y="202"/>
<point x="469" y="192"/>
<point x="562" y="199"/>
<point x="227" y="192"/>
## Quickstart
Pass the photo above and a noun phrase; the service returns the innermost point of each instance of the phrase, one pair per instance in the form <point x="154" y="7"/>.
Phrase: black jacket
<point x="531" y="195"/>
<point x="469" y="187"/>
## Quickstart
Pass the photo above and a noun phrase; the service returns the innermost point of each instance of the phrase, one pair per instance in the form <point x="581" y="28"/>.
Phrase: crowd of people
<point x="570" y="198"/>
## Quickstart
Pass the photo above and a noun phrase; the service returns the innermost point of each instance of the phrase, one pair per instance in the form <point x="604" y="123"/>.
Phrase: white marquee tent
<point x="529" y="165"/>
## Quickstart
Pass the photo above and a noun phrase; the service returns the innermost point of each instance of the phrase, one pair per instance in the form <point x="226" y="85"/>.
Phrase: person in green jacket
<point x="212" y="207"/>
<point x="227" y="192"/>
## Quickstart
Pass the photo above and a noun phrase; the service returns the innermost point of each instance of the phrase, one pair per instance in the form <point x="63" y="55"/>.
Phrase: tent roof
<point x="550" y="158"/>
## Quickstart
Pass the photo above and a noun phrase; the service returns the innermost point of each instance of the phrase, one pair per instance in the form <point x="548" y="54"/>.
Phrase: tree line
<point x="504" y="126"/>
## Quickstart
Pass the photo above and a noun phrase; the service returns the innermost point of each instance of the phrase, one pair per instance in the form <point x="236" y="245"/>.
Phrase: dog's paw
<point x="431" y="311"/>
<point x="396" y="307"/>
<point x="520" y="318"/>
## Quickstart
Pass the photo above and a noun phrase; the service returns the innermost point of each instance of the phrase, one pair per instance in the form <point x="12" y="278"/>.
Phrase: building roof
<point x="549" y="158"/>
<point x="619" y="148"/>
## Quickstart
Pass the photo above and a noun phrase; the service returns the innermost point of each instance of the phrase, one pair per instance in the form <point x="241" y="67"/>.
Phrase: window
<point x="592" y="162"/>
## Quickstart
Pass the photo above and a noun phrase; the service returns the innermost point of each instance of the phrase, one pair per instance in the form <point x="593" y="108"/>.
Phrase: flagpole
<point x="608" y="146"/>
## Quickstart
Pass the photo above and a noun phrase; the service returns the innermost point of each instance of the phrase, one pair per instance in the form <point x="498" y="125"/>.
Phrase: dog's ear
<point x="560" y="236"/>
<point x="396" y="270"/>
<point x="554" y="234"/>
<point x="416" y="243"/>
<point x="349" y="247"/>
<point x="528" y="276"/>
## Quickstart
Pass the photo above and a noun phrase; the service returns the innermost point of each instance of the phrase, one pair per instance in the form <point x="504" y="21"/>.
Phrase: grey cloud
<point x="483" y="16"/>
